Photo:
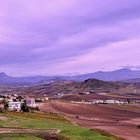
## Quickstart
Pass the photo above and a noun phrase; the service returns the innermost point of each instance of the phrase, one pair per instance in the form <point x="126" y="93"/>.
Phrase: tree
<point x="24" y="107"/>
<point x="129" y="101"/>
<point x="5" y="103"/>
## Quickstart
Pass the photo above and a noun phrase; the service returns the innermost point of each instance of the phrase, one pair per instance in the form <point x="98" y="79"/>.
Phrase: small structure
<point x="31" y="102"/>
<point x="84" y="93"/>
<point x="39" y="99"/>
<point x="46" y="98"/>
<point x="98" y="102"/>
<point x="111" y="101"/>
<point x="14" y="106"/>
<point x="1" y="106"/>
<point x="60" y="95"/>
<point x="1" y="99"/>
<point x="9" y="99"/>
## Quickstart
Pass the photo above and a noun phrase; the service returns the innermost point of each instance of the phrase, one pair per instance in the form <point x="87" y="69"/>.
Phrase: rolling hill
<point x="70" y="87"/>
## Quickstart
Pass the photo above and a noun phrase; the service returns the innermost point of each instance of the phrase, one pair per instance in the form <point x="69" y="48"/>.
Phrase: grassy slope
<point x="45" y="121"/>
<point x="18" y="137"/>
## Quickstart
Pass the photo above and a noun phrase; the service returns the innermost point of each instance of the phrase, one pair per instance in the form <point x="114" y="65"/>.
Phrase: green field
<point x="19" y="137"/>
<point x="46" y="121"/>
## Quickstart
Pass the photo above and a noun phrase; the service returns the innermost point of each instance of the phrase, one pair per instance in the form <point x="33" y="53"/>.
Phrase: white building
<point x="46" y="98"/>
<point x="1" y="106"/>
<point x="98" y="101"/>
<point x="31" y="102"/>
<point x="14" y="106"/>
<point x="1" y="99"/>
<point x="9" y="99"/>
<point x="111" y="101"/>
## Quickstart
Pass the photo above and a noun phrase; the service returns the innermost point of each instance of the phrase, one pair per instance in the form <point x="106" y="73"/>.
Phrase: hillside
<point x="67" y="87"/>
<point x="120" y="120"/>
<point x="72" y="87"/>
<point x="44" y="126"/>
<point x="94" y="83"/>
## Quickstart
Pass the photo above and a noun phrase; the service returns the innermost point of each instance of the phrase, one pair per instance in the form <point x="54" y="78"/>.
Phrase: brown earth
<point x="117" y="121"/>
<point x="105" y="96"/>
<point x="3" y="118"/>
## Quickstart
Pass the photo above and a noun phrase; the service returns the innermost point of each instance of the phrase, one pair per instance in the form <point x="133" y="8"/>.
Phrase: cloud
<point x="42" y="36"/>
<point x="111" y="57"/>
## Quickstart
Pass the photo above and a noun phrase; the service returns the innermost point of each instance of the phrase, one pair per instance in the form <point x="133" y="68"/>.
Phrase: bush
<point x="34" y="108"/>
<point x="5" y="103"/>
<point x="24" y="107"/>
<point x="77" y="117"/>
<point x="138" y="126"/>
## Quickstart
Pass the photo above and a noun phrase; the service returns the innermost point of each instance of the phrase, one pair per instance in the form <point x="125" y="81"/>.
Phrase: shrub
<point x="77" y="117"/>
<point x="138" y="126"/>
<point x="5" y="103"/>
<point x="24" y="107"/>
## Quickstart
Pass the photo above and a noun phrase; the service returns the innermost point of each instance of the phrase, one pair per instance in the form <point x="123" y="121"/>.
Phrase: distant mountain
<point x="118" y="75"/>
<point x="6" y="79"/>
<point x="137" y="80"/>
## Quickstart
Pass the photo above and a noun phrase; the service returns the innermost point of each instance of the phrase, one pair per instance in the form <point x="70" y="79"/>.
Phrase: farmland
<point x="119" y="120"/>
<point x="39" y="126"/>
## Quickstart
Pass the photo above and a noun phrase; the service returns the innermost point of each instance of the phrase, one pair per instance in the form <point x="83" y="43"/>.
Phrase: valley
<point x="71" y="110"/>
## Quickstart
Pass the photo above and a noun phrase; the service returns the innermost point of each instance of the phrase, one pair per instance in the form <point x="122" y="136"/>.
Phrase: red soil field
<point x="119" y="122"/>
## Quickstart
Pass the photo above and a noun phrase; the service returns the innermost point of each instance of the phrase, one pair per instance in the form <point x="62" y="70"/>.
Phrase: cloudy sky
<point x="59" y="37"/>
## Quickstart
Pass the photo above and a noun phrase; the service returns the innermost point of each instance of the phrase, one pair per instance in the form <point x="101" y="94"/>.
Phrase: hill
<point x="69" y="87"/>
<point x="94" y="83"/>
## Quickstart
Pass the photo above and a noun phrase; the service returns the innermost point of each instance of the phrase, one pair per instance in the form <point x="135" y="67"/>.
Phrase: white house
<point x="1" y="99"/>
<point x="14" y="106"/>
<point x="1" y="106"/>
<point x="31" y="102"/>
<point x="9" y="99"/>
<point x="98" y="101"/>
<point x="46" y="98"/>
<point x="110" y="101"/>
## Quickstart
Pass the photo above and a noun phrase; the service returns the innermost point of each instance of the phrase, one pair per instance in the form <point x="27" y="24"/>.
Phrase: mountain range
<point x="117" y="75"/>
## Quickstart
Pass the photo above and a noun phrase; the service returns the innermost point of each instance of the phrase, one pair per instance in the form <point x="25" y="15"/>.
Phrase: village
<point x="100" y="101"/>
<point x="14" y="102"/>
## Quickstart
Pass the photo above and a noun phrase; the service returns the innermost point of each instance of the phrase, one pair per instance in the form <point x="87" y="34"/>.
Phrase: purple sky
<point x="56" y="37"/>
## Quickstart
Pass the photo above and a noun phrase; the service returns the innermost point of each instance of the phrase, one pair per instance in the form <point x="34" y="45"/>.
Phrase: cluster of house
<point x="100" y="101"/>
<point x="109" y="101"/>
<point x="14" y="102"/>
<point x="87" y="93"/>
